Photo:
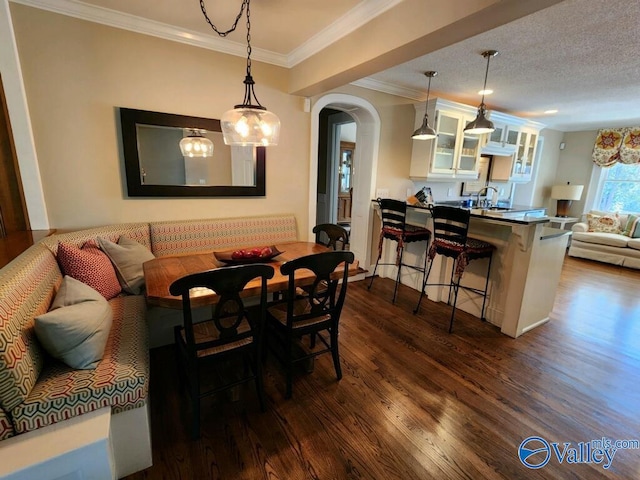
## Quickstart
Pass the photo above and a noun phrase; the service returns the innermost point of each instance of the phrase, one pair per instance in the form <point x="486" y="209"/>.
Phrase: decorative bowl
<point x="250" y="255"/>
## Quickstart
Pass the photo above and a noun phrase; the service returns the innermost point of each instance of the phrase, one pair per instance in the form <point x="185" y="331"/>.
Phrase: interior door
<point x="13" y="215"/>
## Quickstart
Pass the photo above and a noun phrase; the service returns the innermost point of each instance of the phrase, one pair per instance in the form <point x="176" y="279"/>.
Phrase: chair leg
<point x="486" y="288"/>
<point x="425" y="277"/>
<point x="195" y="409"/>
<point x="456" y="287"/>
<point x="335" y="353"/>
<point x="289" y="368"/>
<point x="395" y="289"/>
<point x="312" y="340"/>
<point x="374" y="273"/>
<point x="259" y="383"/>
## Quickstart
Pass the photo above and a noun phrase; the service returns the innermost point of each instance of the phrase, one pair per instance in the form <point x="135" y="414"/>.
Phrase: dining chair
<point x="317" y="313"/>
<point x="332" y="235"/>
<point x="233" y="331"/>
<point x="451" y="239"/>
<point x="395" y="228"/>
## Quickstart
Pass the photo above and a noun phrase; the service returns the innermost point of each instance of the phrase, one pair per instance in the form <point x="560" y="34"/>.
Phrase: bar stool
<point x="394" y="227"/>
<point x="450" y="228"/>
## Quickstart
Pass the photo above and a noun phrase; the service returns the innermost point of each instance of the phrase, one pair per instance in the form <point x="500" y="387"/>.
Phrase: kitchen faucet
<point x="486" y="201"/>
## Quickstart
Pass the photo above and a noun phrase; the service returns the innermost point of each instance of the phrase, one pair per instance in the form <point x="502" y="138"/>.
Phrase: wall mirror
<point x="155" y="166"/>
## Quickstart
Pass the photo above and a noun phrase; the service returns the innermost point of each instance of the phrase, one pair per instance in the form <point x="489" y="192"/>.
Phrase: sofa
<point x="40" y="394"/>
<point x="607" y="237"/>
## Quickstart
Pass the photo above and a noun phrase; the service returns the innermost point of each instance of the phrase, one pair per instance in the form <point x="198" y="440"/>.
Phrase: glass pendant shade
<point x="195" y="145"/>
<point x="250" y="125"/>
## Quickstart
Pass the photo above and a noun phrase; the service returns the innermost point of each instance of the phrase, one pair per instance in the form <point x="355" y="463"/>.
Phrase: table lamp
<point x="565" y="194"/>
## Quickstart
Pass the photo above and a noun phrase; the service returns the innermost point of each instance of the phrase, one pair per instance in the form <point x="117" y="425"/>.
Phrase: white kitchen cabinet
<point x="452" y="154"/>
<point x="518" y="167"/>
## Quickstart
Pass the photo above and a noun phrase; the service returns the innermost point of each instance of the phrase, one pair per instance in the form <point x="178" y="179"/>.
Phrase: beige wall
<point x="76" y="73"/>
<point x="575" y="165"/>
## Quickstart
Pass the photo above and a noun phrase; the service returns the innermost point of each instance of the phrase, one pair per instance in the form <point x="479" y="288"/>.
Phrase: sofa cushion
<point x="120" y="380"/>
<point x="608" y="223"/>
<point x="632" y="228"/>
<point x="90" y="265"/>
<point x="634" y="243"/>
<point x="76" y="328"/>
<point x="27" y="286"/>
<point x="127" y="257"/>
<point x="197" y="236"/>
<point x="6" y="428"/>
<point x="135" y="231"/>
<point x="611" y="239"/>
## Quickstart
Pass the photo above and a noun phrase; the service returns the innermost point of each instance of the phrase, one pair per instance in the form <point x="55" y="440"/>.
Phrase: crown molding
<point x="351" y="21"/>
<point x="113" y="18"/>
<point x="358" y="16"/>
<point x="384" y="87"/>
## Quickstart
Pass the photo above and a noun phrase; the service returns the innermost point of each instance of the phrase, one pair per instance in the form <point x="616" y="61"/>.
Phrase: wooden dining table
<point x="161" y="272"/>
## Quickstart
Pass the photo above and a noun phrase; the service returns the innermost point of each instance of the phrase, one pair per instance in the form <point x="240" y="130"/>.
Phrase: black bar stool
<point x="394" y="227"/>
<point x="450" y="228"/>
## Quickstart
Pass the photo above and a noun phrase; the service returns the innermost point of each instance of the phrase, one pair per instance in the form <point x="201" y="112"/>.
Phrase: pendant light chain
<point x="248" y="123"/>
<point x="486" y="74"/>
<point x="235" y="24"/>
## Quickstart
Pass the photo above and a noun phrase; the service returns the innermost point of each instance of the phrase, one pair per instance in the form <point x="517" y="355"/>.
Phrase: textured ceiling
<point x="578" y="56"/>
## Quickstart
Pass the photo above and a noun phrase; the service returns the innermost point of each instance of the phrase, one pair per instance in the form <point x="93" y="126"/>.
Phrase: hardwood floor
<point x="418" y="403"/>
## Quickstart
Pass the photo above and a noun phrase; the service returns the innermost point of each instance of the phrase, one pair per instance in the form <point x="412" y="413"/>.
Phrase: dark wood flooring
<point x="418" y="403"/>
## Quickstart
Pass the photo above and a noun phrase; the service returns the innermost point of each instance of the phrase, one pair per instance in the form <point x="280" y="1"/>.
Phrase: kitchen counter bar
<point x="524" y="273"/>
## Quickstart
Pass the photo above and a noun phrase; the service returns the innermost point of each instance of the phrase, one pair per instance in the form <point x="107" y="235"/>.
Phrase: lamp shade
<point x="566" y="192"/>
<point x="250" y="125"/>
<point x="196" y="145"/>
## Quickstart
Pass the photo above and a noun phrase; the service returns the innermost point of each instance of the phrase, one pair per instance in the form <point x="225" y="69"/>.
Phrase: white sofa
<point x="614" y="248"/>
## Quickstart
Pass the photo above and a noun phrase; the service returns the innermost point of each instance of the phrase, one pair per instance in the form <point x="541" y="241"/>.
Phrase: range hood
<point x="497" y="148"/>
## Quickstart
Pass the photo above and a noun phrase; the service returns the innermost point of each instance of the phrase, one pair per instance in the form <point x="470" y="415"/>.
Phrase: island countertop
<point x="516" y="214"/>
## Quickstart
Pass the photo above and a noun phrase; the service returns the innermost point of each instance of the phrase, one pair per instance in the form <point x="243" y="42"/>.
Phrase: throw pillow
<point x="632" y="229"/>
<point x="77" y="327"/>
<point x="90" y="265"/>
<point x="608" y="223"/>
<point x="127" y="257"/>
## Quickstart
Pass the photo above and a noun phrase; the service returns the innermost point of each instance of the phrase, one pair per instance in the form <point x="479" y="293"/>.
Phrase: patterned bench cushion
<point x="6" y="428"/>
<point x="121" y="379"/>
<point x="136" y="231"/>
<point x="27" y="287"/>
<point x="195" y="236"/>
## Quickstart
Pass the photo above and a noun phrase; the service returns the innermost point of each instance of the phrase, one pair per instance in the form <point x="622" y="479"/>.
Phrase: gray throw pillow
<point x="77" y="327"/>
<point x="127" y="257"/>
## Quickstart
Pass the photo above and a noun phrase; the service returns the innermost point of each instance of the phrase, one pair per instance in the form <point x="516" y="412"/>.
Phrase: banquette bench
<point x="40" y="396"/>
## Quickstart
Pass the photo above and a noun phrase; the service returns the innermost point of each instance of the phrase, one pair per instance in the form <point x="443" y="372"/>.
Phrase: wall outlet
<point x="450" y="192"/>
<point x="501" y="192"/>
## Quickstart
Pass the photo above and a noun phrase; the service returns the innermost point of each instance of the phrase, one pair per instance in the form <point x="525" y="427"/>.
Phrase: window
<point x="620" y="191"/>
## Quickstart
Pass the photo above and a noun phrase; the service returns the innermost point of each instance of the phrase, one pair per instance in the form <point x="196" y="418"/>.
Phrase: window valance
<point x="615" y="145"/>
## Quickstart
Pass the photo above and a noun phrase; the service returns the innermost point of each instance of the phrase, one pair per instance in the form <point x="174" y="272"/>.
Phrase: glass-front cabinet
<point x="452" y="154"/>
<point x="525" y="156"/>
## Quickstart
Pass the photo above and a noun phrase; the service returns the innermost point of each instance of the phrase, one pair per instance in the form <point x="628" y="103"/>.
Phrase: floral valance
<point x="617" y="145"/>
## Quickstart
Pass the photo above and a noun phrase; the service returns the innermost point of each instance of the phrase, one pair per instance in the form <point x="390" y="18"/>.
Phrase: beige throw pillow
<point x="608" y="223"/>
<point x="127" y="257"/>
<point x="76" y="328"/>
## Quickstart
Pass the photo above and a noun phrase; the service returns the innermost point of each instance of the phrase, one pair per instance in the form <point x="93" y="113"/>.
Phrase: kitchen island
<point x="525" y="270"/>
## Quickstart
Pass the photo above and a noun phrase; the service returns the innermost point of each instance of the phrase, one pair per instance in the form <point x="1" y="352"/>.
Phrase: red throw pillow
<point x="91" y="266"/>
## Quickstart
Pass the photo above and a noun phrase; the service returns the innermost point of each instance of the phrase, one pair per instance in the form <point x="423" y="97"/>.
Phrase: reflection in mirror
<point x="156" y="166"/>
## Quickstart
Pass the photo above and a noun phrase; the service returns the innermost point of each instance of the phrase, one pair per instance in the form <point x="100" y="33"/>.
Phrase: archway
<point x="365" y="167"/>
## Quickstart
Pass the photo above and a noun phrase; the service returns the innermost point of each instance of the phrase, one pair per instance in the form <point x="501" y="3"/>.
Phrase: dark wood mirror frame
<point x="129" y="118"/>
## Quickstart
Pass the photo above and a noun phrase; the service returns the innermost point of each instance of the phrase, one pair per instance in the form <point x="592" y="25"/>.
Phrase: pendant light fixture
<point x="482" y="124"/>
<point x="248" y="123"/>
<point x="196" y="145"/>
<point x="426" y="131"/>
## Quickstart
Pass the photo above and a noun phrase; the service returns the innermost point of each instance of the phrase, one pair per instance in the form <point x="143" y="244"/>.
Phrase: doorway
<point x="336" y="147"/>
<point x="364" y="168"/>
<point x="13" y="214"/>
